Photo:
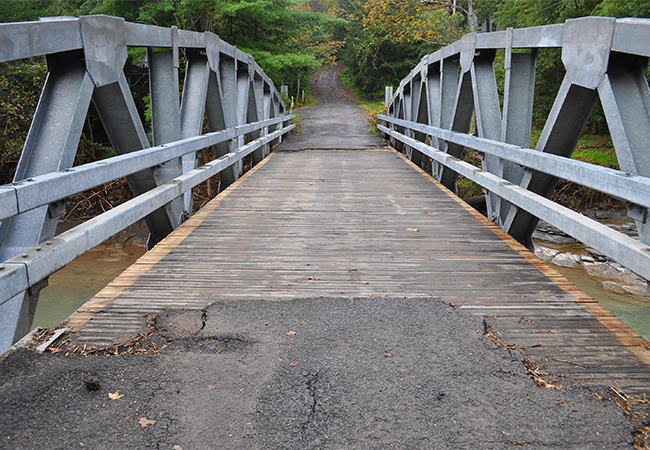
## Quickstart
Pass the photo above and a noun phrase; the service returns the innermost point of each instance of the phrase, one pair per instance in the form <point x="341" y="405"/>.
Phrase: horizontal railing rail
<point x="224" y="91"/>
<point x="432" y="111"/>
<point x="622" y="185"/>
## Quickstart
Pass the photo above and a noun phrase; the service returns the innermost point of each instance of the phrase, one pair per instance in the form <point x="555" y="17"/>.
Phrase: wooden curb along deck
<point x="324" y="223"/>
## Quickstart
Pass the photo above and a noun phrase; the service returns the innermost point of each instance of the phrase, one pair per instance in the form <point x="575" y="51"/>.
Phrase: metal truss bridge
<point x="325" y="222"/>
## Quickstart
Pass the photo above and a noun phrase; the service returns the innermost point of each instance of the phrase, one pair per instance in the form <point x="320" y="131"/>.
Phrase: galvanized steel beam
<point x="165" y="114"/>
<point x="517" y="114"/>
<point x="195" y="91"/>
<point x="228" y="95"/>
<point x="488" y="113"/>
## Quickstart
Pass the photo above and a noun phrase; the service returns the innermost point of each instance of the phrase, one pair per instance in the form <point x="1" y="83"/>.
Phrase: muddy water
<point x="81" y="279"/>
<point x="633" y="310"/>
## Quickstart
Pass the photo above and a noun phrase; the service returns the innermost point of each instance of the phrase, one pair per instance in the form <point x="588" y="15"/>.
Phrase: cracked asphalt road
<point x="307" y="373"/>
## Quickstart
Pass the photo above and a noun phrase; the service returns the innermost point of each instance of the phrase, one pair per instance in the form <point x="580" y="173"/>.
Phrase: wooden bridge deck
<point x="368" y="224"/>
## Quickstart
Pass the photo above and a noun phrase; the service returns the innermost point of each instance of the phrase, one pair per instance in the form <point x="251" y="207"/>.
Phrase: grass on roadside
<point x="591" y="148"/>
<point x="373" y="108"/>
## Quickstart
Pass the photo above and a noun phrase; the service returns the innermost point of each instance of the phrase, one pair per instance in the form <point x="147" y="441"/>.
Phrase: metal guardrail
<point x="431" y="111"/>
<point x="86" y="57"/>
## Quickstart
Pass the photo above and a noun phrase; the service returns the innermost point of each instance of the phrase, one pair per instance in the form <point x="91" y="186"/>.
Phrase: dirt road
<point x="336" y="122"/>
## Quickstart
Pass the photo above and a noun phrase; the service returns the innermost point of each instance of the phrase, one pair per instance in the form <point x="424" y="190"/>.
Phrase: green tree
<point x="387" y="38"/>
<point x="623" y="8"/>
<point x="288" y="39"/>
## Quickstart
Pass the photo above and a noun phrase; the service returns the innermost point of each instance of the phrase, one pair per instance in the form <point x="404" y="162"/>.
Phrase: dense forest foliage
<point x="380" y="41"/>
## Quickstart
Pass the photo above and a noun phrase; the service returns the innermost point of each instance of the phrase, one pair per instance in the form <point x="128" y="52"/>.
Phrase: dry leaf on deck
<point x="144" y="422"/>
<point x="115" y="395"/>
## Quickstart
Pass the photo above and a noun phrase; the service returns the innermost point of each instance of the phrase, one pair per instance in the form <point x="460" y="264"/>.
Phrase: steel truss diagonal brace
<point x="228" y="95"/>
<point x="119" y="115"/>
<point x="462" y="117"/>
<point x="565" y="124"/>
<point x="625" y="97"/>
<point x="51" y="146"/>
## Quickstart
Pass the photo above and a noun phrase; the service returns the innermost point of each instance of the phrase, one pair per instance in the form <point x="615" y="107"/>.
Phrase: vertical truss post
<point x="165" y="114"/>
<point x="256" y="111"/>
<point x="488" y="113"/>
<point x="192" y="114"/>
<point x="266" y="114"/>
<point x="244" y="79"/>
<point x="214" y="105"/>
<point x="400" y="113"/>
<point x="388" y="95"/>
<point x="518" y="96"/>
<point x="446" y="104"/>
<point x="274" y="111"/>
<point x="432" y="86"/>
<point x="419" y="113"/>
<point x="50" y="146"/>
<point x="228" y="95"/>
<point x="407" y="100"/>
